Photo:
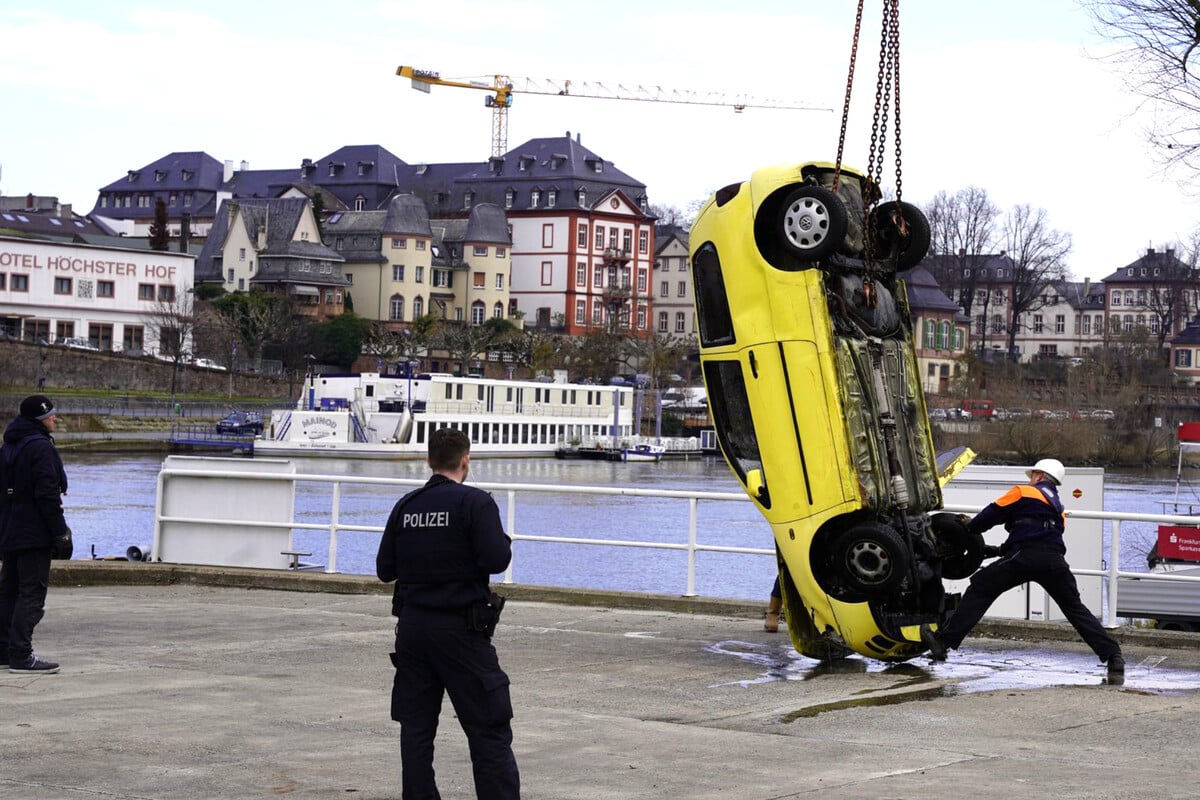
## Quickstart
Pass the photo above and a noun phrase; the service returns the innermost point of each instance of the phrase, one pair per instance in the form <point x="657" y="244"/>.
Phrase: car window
<point x="712" y="306"/>
<point x="731" y="417"/>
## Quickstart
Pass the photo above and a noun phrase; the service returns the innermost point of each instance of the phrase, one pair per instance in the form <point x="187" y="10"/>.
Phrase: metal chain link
<point x="837" y="166"/>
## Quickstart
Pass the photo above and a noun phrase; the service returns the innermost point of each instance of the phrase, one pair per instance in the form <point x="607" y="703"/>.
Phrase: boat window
<point x="449" y="391"/>
<point x="508" y="394"/>
<point x="732" y="420"/>
<point x="458" y="395"/>
<point x="712" y="305"/>
<point x="480" y="388"/>
<point x="370" y="390"/>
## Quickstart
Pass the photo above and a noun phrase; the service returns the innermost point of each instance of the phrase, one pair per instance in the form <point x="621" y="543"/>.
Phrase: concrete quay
<point x="189" y="682"/>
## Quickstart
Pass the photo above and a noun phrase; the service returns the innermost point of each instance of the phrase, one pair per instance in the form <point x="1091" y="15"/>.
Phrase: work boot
<point x="937" y="650"/>
<point x="1116" y="665"/>
<point x="771" y="621"/>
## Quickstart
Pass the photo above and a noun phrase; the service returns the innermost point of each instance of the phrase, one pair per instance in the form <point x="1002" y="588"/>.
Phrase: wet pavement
<point x="203" y="692"/>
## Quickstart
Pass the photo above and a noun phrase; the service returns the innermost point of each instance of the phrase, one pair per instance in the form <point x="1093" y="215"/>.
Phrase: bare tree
<point x="1038" y="253"/>
<point x="171" y="323"/>
<point x="1159" y="58"/>
<point x="963" y="233"/>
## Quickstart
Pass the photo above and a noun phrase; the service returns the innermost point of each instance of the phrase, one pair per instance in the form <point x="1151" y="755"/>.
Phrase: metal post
<point x="691" y="551"/>
<point x="333" y="527"/>
<point x="1110" y="611"/>
<point x="510" y="520"/>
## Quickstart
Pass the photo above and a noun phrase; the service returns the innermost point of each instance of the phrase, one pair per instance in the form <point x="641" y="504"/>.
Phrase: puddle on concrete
<point x="967" y="671"/>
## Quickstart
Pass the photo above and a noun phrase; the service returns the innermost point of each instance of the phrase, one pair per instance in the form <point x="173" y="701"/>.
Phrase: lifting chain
<point x="887" y="95"/>
<point x="837" y="166"/>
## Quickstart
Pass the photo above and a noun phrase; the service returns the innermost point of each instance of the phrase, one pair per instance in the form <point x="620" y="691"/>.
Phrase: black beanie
<point x="36" y="406"/>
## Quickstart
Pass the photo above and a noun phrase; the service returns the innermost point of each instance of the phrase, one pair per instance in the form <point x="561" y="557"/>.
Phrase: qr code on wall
<point x="84" y="290"/>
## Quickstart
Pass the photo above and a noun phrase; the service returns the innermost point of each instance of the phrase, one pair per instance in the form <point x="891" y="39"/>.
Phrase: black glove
<point x="991" y="551"/>
<point x="62" y="547"/>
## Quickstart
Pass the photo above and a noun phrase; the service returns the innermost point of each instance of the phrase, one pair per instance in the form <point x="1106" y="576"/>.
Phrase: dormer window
<point x="133" y="175"/>
<point x="365" y="166"/>
<point x="535" y="197"/>
<point x="159" y="175"/>
<point x="360" y="203"/>
<point x="509" y="196"/>
<point x="525" y="163"/>
<point x="187" y="174"/>
<point x="581" y="198"/>
<point x="495" y="165"/>
<point x="468" y="198"/>
<point x="1129" y="272"/>
<point x="551" y="198"/>
<point x="1000" y="272"/>
<point x="596" y="164"/>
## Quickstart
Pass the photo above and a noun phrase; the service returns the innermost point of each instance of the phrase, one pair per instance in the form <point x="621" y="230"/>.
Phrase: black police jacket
<point x="441" y="543"/>
<point x="1032" y="515"/>
<point x="32" y="516"/>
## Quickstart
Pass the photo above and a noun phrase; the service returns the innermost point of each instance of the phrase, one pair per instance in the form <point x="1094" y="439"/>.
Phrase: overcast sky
<point x="1008" y="96"/>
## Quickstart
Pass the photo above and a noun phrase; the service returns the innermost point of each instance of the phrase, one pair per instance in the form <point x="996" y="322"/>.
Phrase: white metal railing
<point x="1112" y="573"/>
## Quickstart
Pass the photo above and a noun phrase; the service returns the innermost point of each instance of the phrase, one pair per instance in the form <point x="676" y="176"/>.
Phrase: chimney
<point x="962" y="251"/>
<point x="185" y="231"/>
<point x="262" y="237"/>
<point x="228" y="173"/>
<point x="64" y="211"/>
<point x="29" y="201"/>
<point x="245" y="165"/>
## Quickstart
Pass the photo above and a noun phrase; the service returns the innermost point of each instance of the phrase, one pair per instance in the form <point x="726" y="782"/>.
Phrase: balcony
<point x="617" y="254"/>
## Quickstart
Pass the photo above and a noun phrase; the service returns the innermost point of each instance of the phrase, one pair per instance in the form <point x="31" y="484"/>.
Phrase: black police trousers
<point x="1046" y="568"/>
<point x="24" y="580"/>
<point x="437" y="654"/>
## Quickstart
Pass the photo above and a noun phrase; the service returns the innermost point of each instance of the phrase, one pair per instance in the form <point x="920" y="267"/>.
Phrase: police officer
<point x="1034" y="551"/>
<point x="31" y="524"/>
<point x="441" y="543"/>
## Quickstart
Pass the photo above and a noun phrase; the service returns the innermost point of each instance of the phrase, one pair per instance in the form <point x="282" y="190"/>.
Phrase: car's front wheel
<point x="811" y="222"/>
<point x="871" y="558"/>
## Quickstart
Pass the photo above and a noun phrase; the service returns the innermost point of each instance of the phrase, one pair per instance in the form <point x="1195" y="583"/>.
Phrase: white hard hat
<point x="1052" y="468"/>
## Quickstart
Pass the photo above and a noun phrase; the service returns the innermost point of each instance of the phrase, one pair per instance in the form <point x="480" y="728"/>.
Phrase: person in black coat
<point x="31" y="521"/>
<point x="441" y="543"/>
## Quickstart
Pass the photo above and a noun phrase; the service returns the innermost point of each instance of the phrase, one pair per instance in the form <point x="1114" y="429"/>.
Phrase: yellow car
<point x="806" y="346"/>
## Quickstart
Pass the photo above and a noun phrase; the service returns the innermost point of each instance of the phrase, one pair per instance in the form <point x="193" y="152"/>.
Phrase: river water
<point x="110" y="506"/>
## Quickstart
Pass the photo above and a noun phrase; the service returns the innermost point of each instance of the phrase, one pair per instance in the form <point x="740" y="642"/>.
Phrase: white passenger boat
<point x="370" y="415"/>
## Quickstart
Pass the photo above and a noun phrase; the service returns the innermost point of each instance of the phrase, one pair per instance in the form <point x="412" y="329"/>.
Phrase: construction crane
<point x="503" y="87"/>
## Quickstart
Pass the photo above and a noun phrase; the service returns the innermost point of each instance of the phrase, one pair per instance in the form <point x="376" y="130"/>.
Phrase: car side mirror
<point x="755" y="483"/>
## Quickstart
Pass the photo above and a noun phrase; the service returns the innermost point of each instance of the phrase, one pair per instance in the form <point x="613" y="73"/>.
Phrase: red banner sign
<point x="1175" y="541"/>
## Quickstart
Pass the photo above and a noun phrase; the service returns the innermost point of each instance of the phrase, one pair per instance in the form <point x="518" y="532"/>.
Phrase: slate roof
<point x="1143" y="269"/>
<point x="51" y="226"/>
<point x="407" y="215"/>
<point x="664" y="234"/>
<point x="194" y="171"/>
<point x="924" y="293"/>
<point x="278" y="261"/>
<point x="356" y="235"/>
<point x="1190" y="335"/>
<point x="559" y="163"/>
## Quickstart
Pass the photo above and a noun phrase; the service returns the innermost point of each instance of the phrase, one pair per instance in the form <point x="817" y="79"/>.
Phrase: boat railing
<point x="689" y="501"/>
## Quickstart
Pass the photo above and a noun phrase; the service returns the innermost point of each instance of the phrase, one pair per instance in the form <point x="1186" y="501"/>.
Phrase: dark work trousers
<point x="24" y="579"/>
<point x="1044" y="567"/>
<point x="436" y="654"/>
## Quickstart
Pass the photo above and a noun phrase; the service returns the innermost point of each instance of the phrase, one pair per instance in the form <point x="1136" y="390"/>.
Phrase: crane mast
<point x="502" y="88"/>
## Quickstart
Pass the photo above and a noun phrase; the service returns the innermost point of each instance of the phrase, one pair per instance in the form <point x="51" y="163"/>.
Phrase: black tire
<point x="907" y="247"/>
<point x="811" y="223"/>
<point x="871" y="558"/>
<point x="962" y="551"/>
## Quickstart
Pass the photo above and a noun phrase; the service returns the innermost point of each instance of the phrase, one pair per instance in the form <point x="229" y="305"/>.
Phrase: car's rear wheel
<point x="962" y="551"/>
<point x="901" y="230"/>
<point x="871" y="558"/>
<point x="811" y="222"/>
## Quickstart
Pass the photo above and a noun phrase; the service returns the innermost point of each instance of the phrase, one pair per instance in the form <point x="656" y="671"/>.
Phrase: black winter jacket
<point x="33" y="517"/>
<point x="441" y="543"/>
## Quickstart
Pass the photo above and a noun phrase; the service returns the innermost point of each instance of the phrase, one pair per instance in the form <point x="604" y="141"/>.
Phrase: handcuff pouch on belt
<point x="482" y="615"/>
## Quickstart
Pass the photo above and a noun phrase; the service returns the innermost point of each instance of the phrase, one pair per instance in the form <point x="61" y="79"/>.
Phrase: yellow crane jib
<point x="502" y="89"/>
